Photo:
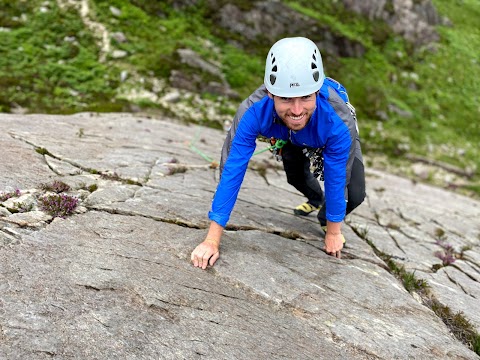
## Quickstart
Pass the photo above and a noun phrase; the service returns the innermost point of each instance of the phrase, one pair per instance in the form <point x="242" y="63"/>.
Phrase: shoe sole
<point x="302" y="213"/>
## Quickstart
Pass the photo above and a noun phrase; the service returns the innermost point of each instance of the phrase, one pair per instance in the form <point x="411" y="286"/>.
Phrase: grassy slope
<point x="436" y="90"/>
<point x="39" y="69"/>
<point x="48" y="62"/>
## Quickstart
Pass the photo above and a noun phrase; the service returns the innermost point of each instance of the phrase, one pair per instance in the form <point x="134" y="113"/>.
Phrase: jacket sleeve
<point x="244" y="106"/>
<point x="336" y="155"/>
<point x="241" y="150"/>
<point x="339" y="155"/>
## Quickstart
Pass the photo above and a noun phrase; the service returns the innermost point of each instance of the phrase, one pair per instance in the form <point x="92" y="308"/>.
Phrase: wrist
<point x="212" y="241"/>
<point x="334" y="228"/>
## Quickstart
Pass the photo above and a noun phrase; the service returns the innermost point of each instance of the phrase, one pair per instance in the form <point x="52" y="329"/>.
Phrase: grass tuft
<point x="43" y="151"/>
<point x="457" y="323"/>
<point x="56" y="187"/>
<point x="461" y="328"/>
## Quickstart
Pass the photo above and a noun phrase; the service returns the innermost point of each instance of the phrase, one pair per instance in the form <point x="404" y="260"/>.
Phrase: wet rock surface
<point x="113" y="279"/>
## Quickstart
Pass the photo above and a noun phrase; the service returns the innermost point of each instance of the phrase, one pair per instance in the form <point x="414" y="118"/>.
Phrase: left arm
<point x="338" y="158"/>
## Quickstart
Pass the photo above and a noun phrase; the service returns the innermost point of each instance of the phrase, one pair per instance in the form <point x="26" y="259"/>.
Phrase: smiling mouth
<point x="296" y="118"/>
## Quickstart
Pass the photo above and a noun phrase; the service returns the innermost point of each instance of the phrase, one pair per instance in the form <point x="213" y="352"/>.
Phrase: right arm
<point x="236" y="153"/>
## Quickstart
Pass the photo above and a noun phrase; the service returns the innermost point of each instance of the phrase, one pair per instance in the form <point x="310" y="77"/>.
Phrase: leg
<point x="355" y="188"/>
<point x="297" y="169"/>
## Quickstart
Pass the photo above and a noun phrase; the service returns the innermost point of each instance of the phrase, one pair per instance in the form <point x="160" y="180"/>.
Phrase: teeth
<point x="296" y="117"/>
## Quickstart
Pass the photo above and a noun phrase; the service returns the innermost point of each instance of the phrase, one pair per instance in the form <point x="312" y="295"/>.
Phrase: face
<point x="295" y="112"/>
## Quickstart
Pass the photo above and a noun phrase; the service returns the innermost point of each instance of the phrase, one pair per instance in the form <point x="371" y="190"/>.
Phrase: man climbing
<point x="297" y="104"/>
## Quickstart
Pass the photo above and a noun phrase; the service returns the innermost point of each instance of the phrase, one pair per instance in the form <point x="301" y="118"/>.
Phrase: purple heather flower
<point x="447" y="257"/>
<point x="6" y="196"/>
<point x="58" y="205"/>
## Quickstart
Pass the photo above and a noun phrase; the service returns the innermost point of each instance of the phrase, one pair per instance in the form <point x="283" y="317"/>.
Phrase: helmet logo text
<point x="295" y="84"/>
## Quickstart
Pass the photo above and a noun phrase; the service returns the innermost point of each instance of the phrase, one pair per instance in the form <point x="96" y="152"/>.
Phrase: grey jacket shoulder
<point x="346" y="112"/>
<point x="257" y="95"/>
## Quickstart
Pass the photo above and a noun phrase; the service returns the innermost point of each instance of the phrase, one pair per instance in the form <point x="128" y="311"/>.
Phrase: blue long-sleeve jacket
<point x="332" y="127"/>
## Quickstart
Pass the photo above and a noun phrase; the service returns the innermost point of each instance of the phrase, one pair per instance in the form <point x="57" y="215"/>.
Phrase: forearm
<point x="334" y="227"/>
<point x="215" y="232"/>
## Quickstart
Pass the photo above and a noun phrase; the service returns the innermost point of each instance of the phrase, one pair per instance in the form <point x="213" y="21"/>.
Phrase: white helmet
<point x="294" y="68"/>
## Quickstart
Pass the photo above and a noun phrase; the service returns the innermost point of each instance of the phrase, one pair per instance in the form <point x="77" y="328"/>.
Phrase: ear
<point x="270" y="95"/>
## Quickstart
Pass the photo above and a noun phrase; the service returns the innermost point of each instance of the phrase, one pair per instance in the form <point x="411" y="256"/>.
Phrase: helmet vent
<point x="316" y="73"/>
<point x="273" y="78"/>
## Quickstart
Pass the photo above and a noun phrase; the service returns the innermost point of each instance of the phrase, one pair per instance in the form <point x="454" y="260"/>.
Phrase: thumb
<point x="214" y="258"/>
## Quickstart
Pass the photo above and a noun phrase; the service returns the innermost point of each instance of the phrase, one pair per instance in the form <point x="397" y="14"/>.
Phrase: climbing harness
<point x="313" y="154"/>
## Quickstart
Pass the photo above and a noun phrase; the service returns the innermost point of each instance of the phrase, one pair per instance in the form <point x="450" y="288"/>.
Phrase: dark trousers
<point x="297" y="169"/>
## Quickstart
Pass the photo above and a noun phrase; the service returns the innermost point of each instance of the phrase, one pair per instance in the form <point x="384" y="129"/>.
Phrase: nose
<point x="297" y="106"/>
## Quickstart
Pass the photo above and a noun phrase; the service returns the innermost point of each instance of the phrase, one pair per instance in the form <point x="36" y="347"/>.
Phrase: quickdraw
<point x="275" y="148"/>
<point x="316" y="161"/>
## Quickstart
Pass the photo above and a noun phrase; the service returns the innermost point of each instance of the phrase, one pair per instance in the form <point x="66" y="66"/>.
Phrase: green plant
<point x="42" y="151"/>
<point x="10" y="194"/>
<point x="463" y="250"/>
<point x="58" y="205"/>
<point x="56" y="186"/>
<point x="22" y="207"/>
<point x="439" y="234"/>
<point x="447" y="255"/>
<point x="50" y="64"/>
<point x="410" y="282"/>
<point x="92" y="188"/>
<point x="362" y="232"/>
<point x="456" y="322"/>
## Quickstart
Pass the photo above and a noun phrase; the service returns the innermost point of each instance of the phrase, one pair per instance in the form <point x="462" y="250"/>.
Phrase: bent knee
<point x="356" y="199"/>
